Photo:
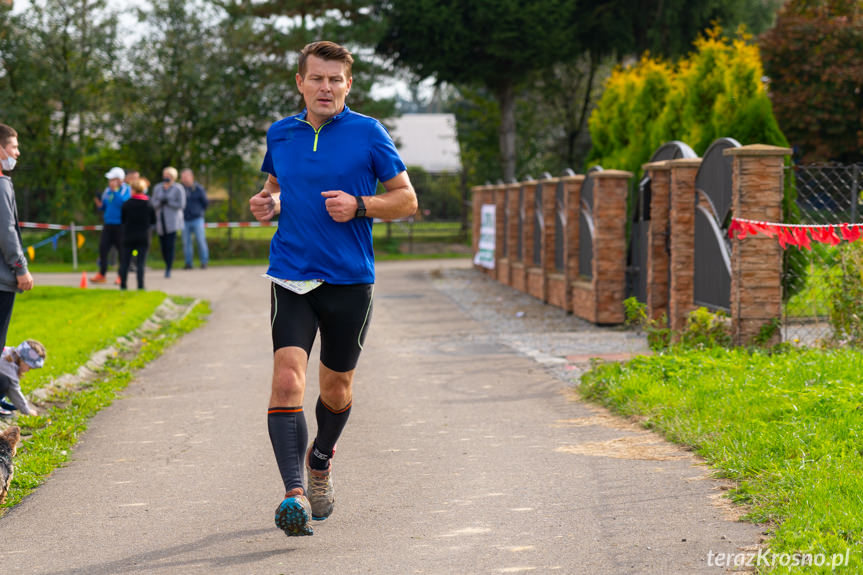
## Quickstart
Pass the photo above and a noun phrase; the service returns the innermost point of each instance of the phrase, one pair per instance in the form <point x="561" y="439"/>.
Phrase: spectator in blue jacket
<point x="111" y="204"/>
<point x="193" y="217"/>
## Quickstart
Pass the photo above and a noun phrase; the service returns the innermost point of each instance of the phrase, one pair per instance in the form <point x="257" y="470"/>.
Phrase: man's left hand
<point x="341" y="206"/>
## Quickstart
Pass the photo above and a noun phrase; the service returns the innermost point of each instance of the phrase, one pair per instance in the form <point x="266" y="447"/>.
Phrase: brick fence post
<point x="681" y="289"/>
<point x="510" y="192"/>
<point x="658" y="239"/>
<point x="601" y="301"/>
<point x="560" y="281"/>
<point x="524" y="193"/>
<point x="756" y="262"/>
<point x="497" y="198"/>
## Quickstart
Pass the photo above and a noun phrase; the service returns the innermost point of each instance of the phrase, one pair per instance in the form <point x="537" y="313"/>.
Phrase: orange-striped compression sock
<point x="289" y="436"/>
<point x="331" y="423"/>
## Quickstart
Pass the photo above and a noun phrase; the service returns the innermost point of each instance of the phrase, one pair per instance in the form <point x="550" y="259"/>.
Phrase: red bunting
<point x="796" y="235"/>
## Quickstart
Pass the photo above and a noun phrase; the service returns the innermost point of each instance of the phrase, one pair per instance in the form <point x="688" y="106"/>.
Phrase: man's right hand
<point x="25" y="282"/>
<point x="263" y="206"/>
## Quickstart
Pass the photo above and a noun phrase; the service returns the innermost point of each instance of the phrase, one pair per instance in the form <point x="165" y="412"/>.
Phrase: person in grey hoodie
<point x="169" y="200"/>
<point x="14" y="275"/>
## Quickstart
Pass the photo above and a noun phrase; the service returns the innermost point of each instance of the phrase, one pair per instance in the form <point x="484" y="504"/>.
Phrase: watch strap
<point x="361" y="208"/>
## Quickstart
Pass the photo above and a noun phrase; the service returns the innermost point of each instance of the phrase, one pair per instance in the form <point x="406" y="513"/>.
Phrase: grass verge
<point x="55" y="431"/>
<point x="787" y="427"/>
<point x="74" y="323"/>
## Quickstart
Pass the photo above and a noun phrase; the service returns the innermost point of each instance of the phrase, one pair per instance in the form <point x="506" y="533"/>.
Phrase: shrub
<point x="715" y="92"/>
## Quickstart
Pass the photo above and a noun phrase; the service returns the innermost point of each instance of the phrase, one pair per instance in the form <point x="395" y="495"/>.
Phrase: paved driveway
<point x="463" y="454"/>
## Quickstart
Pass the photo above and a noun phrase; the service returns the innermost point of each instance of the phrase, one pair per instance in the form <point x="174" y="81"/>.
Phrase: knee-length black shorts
<point x="341" y="313"/>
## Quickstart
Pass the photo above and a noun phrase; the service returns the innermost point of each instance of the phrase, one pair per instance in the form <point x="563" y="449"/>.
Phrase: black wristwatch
<point x="361" y="208"/>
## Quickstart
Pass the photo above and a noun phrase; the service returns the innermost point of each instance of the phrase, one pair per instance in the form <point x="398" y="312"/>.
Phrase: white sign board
<point x="485" y="254"/>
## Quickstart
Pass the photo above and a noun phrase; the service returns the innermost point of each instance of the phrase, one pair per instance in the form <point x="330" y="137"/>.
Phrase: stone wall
<point x="756" y="297"/>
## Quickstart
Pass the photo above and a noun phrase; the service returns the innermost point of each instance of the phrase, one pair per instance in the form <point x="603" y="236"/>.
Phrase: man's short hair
<point x="326" y="50"/>
<point x="6" y="134"/>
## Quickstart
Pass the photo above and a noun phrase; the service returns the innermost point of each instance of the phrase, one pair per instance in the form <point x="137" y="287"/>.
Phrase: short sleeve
<point x="385" y="158"/>
<point x="267" y="165"/>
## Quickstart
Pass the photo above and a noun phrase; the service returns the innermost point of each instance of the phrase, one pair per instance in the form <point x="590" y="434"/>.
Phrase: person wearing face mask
<point x="111" y="204"/>
<point x="14" y="275"/>
<point x="169" y="201"/>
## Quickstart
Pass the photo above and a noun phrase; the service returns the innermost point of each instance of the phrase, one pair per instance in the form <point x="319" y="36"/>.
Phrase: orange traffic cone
<point x="83" y="280"/>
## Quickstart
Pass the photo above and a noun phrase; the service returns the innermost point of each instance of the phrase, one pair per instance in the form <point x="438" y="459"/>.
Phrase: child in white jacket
<point x="14" y="363"/>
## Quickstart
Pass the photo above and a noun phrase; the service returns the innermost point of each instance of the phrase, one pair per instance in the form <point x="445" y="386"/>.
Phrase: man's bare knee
<point x="289" y="377"/>
<point x="336" y="387"/>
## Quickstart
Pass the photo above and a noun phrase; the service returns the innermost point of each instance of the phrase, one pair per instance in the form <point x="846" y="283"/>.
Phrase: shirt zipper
<point x="317" y="132"/>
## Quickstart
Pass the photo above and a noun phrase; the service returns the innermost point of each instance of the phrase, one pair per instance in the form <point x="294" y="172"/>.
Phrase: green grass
<point x="815" y="299"/>
<point x="54" y="432"/>
<point x="73" y="324"/>
<point x="787" y="427"/>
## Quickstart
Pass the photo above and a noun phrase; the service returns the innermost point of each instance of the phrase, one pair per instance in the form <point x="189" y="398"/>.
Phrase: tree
<point x="812" y="58"/>
<point x="490" y="44"/>
<point x="667" y="28"/>
<point x="59" y="60"/>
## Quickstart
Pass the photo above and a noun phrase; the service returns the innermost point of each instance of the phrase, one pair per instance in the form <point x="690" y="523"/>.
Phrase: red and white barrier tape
<point x="40" y="226"/>
<point x="796" y="234"/>
<point x="240" y="224"/>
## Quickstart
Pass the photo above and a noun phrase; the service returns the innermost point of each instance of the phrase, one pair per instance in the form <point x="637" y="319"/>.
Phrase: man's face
<point x="114" y="183"/>
<point x="187" y="179"/>
<point x="132" y="177"/>
<point x="11" y="148"/>
<point x="324" y="88"/>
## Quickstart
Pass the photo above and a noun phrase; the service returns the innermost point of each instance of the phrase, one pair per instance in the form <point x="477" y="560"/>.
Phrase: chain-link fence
<point x="822" y="285"/>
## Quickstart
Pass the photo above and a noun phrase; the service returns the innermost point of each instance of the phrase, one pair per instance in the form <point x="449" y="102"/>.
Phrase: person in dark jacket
<point x="14" y="276"/>
<point x="193" y="219"/>
<point x="138" y="217"/>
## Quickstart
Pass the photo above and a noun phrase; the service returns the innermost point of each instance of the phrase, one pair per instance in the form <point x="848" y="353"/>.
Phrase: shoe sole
<point x="293" y="518"/>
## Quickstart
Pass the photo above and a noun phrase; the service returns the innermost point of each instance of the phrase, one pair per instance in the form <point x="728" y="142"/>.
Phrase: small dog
<point x="8" y="444"/>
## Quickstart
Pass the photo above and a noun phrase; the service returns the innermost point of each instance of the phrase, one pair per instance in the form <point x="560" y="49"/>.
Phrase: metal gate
<point x="636" y="258"/>
<point x="586" y="227"/>
<point x="538" y="222"/>
<point x="560" y="222"/>
<point x="712" y="274"/>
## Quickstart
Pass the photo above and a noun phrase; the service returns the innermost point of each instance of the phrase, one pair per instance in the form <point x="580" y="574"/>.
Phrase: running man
<point x="323" y="167"/>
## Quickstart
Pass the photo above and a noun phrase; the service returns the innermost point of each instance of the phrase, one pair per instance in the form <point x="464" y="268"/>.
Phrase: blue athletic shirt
<point x="112" y="204"/>
<point x="351" y="152"/>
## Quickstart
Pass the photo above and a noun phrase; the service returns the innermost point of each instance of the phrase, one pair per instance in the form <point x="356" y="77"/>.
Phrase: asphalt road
<point x="462" y="455"/>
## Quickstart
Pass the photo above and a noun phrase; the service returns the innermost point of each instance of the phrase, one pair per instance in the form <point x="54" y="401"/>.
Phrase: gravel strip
<point x="531" y="327"/>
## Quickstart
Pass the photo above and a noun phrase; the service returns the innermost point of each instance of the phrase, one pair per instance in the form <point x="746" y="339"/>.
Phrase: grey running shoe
<point x="294" y="514"/>
<point x="321" y="493"/>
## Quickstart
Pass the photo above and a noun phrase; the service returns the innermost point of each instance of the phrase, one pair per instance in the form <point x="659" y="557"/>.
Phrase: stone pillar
<point x="601" y="299"/>
<point x="511" y="191"/>
<point x="756" y="261"/>
<point x="498" y="199"/>
<point x="658" y="240"/>
<point x="524" y="199"/>
<point x="682" y="241"/>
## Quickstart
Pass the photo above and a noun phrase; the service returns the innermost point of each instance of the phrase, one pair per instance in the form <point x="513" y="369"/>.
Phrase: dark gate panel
<point x="712" y="274"/>
<point x="636" y="268"/>
<point x="586" y="227"/>
<point x="636" y="264"/>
